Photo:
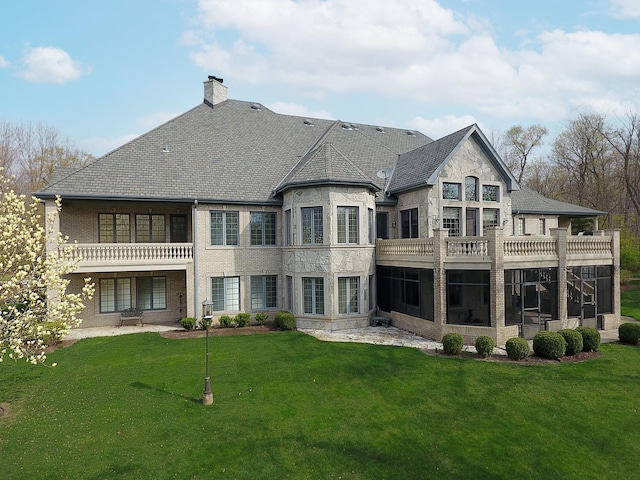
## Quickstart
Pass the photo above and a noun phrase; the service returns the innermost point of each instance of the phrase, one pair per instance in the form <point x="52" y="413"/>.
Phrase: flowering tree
<point x="35" y="307"/>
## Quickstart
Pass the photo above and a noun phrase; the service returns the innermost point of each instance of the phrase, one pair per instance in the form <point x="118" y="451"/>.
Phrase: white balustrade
<point x="123" y="253"/>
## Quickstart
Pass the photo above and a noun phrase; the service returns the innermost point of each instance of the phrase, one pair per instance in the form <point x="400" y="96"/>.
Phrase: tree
<point x="30" y="152"/>
<point x="517" y="145"/>
<point x="34" y="303"/>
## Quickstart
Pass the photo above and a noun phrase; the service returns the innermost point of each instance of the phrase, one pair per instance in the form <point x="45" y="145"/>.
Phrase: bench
<point x="378" y="319"/>
<point x="131" y="314"/>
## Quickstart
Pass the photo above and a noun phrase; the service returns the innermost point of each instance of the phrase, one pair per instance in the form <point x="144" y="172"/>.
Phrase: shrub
<point x="575" y="344"/>
<point x="629" y="333"/>
<point x="517" y="348"/>
<point x="547" y="344"/>
<point x="484" y="346"/>
<point x="243" y="319"/>
<point x="204" y="322"/>
<point x="225" y="321"/>
<point x="188" y="323"/>
<point x="452" y="343"/>
<point x="55" y="332"/>
<point x="590" y="338"/>
<point x="285" y="320"/>
<point x="261" y="318"/>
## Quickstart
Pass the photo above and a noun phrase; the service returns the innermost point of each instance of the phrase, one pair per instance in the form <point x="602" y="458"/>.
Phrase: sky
<point x="104" y="72"/>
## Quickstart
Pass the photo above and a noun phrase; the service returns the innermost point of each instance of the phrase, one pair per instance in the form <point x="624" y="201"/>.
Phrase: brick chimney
<point x="214" y="91"/>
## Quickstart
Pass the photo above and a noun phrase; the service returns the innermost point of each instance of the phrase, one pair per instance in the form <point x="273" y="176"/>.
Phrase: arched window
<point x="471" y="189"/>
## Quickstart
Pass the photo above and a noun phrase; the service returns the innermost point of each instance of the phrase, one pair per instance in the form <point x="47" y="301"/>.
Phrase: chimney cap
<point x="217" y="79"/>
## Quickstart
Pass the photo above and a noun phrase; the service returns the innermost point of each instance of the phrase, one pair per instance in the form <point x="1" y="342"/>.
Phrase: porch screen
<point x="406" y="290"/>
<point x="468" y="297"/>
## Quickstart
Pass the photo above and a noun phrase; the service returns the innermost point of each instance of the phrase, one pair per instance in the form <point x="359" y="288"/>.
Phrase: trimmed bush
<point x="188" y="323"/>
<point x="285" y="320"/>
<point x="452" y="343"/>
<point x="484" y="346"/>
<point x="590" y="338"/>
<point x="243" y="319"/>
<point x="517" y="348"/>
<point x="629" y="333"/>
<point x="261" y="318"/>
<point x="205" y="322"/>
<point x="547" y="344"/>
<point x="575" y="344"/>
<point x="225" y="321"/>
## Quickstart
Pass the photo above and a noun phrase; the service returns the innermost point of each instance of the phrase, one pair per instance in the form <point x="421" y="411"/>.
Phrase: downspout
<point x="195" y="258"/>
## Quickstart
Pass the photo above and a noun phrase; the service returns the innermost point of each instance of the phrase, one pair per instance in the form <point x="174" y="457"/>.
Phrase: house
<point x="257" y="212"/>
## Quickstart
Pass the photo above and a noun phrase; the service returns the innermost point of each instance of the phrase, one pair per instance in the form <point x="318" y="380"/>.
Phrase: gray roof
<point x="233" y="152"/>
<point x="528" y="201"/>
<point x="421" y="166"/>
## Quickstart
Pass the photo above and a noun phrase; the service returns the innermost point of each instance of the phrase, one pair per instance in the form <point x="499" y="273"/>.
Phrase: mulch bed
<point x="218" y="332"/>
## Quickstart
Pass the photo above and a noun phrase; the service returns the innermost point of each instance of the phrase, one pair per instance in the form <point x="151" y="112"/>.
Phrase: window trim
<point x="227" y="283"/>
<point x="225" y="216"/>
<point x="317" y="287"/>
<point x="150" y="233"/>
<point x="459" y="219"/>
<point x="411" y="224"/>
<point x="114" y="227"/>
<point x="151" y="280"/>
<point x="261" y="281"/>
<point x="447" y="185"/>
<point x="347" y="212"/>
<point x="346" y="309"/>
<point x="263" y="229"/>
<point x="315" y="213"/>
<point x="118" y="307"/>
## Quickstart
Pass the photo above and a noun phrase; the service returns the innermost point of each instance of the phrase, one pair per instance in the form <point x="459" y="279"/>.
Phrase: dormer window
<point x="471" y="189"/>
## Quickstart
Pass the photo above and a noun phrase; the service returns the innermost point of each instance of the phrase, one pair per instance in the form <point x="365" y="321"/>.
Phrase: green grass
<point x="630" y="301"/>
<point x="290" y="406"/>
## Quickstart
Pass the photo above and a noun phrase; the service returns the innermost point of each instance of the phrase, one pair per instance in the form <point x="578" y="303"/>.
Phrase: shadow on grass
<point x="141" y="385"/>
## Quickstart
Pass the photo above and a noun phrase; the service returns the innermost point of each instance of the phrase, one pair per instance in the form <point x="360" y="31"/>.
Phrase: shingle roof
<point x="235" y="151"/>
<point x="528" y="201"/>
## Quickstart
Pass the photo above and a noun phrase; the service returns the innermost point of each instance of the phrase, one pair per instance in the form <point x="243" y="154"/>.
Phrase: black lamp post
<point x="207" y="315"/>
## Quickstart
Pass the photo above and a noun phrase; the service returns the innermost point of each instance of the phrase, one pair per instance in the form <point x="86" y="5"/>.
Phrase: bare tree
<point x="30" y="152"/>
<point x="518" y="144"/>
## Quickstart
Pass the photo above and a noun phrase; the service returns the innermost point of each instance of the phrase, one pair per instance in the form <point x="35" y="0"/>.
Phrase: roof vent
<point x="165" y="149"/>
<point x="256" y="106"/>
<point x="380" y="129"/>
<point x="308" y="122"/>
<point x="411" y="133"/>
<point x="347" y="126"/>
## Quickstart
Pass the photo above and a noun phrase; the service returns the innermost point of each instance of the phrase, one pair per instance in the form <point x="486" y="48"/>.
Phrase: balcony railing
<point x="136" y="256"/>
<point x="477" y="248"/>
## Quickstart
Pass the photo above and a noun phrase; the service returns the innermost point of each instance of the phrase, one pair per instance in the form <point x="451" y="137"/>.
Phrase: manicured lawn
<point x="630" y="300"/>
<point x="290" y="406"/>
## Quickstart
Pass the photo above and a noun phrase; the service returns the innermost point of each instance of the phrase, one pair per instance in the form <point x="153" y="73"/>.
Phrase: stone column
<point x="561" y="246"/>
<point x="439" y="278"/>
<point x="615" y="251"/>
<point x="496" y="278"/>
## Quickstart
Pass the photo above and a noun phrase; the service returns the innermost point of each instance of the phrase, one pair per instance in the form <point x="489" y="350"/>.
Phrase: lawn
<point x="290" y="406"/>
<point x="630" y="300"/>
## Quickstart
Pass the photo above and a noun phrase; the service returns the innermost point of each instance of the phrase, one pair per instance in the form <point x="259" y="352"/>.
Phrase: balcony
<point x="120" y="257"/>
<point x="517" y="252"/>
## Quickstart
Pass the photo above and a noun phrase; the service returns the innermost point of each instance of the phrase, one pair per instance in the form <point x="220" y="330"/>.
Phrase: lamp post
<point x="207" y="315"/>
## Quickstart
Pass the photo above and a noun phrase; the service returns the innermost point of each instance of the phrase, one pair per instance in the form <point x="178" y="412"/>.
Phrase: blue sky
<point x="103" y="72"/>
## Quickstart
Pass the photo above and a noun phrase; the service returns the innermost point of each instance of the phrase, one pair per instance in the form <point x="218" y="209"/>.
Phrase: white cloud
<point x="625" y="8"/>
<point x="416" y="49"/>
<point x="154" y="119"/>
<point x="439" y="127"/>
<point x="99" y="146"/>
<point x="4" y="63"/>
<point x="299" y="110"/>
<point x="50" y="65"/>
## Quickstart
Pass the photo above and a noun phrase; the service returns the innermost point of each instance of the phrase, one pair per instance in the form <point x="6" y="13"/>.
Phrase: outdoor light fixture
<point x="207" y="315"/>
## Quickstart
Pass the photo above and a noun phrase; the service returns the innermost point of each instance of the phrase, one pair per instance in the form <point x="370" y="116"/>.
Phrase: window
<point x="288" y="238"/>
<point x="263" y="228"/>
<point x="289" y="293"/>
<point x="151" y="293"/>
<point x="372" y="289"/>
<point x="348" y="294"/>
<point x="225" y="294"/>
<point x="312" y="226"/>
<point x="313" y="295"/>
<point x="372" y="226"/>
<point x="542" y="226"/>
<point x="263" y="291"/>
<point x="347" y="224"/>
<point x="471" y="189"/>
<point x="115" y="294"/>
<point x="520" y="226"/>
<point x="490" y="193"/>
<point x="450" y="191"/>
<point x="224" y="228"/>
<point x="409" y="223"/>
<point x="114" y="228"/>
<point x="382" y="225"/>
<point x="150" y="229"/>
<point x="490" y="217"/>
<point x="451" y="220"/>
